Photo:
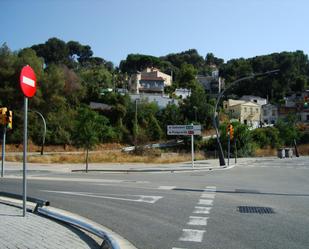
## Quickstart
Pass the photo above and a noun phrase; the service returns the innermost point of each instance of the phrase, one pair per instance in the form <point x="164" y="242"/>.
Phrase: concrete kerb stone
<point x="35" y="231"/>
<point x="186" y="167"/>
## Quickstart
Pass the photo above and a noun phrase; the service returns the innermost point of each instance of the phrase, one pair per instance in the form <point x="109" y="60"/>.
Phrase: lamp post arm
<point x="44" y="133"/>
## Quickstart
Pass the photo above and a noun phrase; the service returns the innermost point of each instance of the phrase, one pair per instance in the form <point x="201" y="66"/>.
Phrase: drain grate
<point x="255" y="210"/>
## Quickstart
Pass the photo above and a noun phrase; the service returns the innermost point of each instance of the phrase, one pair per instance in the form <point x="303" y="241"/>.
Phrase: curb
<point x="154" y="170"/>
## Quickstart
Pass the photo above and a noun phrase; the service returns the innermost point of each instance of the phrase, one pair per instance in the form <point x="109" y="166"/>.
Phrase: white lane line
<point x="205" y="202"/>
<point x="166" y="187"/>
<point x="136" y="198"/>
<point x="28" y="81"/>
<point x="201" y="210"/>
<point x="197" y="221"/>
<point x="178" y="248"/>
<point x="208" y="195"/>
<point x="91" y="180"/>
<point x="192" y="235"/>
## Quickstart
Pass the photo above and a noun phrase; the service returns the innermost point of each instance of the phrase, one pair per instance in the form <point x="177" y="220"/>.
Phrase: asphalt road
<point x="195" y="210"/>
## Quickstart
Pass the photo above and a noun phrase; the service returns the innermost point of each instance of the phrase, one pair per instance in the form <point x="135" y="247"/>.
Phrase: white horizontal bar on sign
<point x="184" y="127"/>
<point x="28" y="81"/>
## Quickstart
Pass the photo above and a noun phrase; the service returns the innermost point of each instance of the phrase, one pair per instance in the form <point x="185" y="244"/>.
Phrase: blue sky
<point x="115" y="28"/>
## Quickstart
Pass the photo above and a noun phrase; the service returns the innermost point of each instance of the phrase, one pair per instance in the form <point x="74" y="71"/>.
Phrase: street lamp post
<point x="216" y="118"/>
<point x="44" y="132"/>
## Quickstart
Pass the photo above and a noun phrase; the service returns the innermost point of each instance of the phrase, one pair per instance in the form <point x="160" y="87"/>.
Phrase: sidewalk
<point x="15" y="168"/>
<point x="34" y="231"/>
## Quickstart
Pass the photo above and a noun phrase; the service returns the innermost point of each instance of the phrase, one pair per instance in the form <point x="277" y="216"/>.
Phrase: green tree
<point x="88" y="130"/>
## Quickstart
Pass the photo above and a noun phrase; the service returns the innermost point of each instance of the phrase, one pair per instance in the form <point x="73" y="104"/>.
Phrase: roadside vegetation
<point x="70" y="77"/>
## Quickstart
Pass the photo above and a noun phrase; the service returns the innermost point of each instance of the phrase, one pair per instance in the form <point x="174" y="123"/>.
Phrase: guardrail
<point x="42" y="208"/>
<point x="38" y="202"/>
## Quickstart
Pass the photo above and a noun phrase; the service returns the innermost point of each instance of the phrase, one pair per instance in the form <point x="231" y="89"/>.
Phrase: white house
<point x="161" y="100"/>
<point x="151" y="80"/>
<point x="183" y="92"/>
<point x="246" y="112"/>
<point x="254" y="99"/>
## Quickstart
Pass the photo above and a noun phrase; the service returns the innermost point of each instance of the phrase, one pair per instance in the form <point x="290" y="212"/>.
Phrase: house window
<point x="257" y="110"/>
<point x="265" y="113"/>
<point x="251" y="111"/>
<point x="274" y="112"/>
<point x="245" y="109"/>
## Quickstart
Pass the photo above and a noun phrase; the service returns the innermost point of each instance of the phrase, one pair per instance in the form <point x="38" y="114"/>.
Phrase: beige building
<point x="246" y="112"/>
<point x="151" y="80"/>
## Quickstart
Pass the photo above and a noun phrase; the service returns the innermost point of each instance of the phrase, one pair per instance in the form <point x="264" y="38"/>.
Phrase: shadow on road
<point x="241" y="191"/>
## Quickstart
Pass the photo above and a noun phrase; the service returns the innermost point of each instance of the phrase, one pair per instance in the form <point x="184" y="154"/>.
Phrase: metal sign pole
<point x="192" y="149"/>
<point x="25" y="156"/>
<point x="235" y="150"/>
<point x="3" y="151"/>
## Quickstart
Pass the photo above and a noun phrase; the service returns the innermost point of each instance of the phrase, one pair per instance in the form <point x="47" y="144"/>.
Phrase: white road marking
<point x="166" y="187"/>
<point x="28" y="81"/>
<point x="197" y="221"/>
<point x="205" y="202"/>
<point x="201" y="210"/>
<point x="192" y="235"/>
<point x="208" y="195"/>
<point x="138" y="198"/>
<point x="178" y="248"/>
<point x="91" y="180"/>
<point x="210" y="189"/>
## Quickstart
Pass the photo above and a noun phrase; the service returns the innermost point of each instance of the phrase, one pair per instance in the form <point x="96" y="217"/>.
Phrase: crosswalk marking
<point x="166" y="187"/>
<point x="197" y="221"/>
<point x="210" y="189"/>
<point x="208" y="195"/>
<point x="205" y="202"/>
<point x="201" y="210"/>
<point x="192" y="235"/>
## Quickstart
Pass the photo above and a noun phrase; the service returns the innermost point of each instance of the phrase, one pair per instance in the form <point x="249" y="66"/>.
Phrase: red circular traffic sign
<point x="27" y="81"/>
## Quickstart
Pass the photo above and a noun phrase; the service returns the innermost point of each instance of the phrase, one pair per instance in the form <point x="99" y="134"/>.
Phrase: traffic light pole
<point x="3" y="150"/>
<point x="228" y="148"/>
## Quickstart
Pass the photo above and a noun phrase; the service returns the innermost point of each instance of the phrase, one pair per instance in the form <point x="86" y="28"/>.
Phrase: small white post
<point x="192" y="147"/>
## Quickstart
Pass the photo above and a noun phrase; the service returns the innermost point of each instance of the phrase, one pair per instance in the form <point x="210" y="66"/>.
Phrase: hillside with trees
<point x="69" y="77"/>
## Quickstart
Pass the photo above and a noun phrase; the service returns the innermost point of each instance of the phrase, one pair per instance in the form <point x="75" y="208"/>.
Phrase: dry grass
<point x="265" y="152"/>
<point x="107" y="157"/>
<point x="303" y="150"/>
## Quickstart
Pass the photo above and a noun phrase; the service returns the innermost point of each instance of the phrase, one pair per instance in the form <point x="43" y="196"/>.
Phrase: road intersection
<point x="188" y="210"/>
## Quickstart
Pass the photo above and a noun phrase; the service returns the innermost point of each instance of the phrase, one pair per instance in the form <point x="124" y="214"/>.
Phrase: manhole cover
<point x="255" y="210"/>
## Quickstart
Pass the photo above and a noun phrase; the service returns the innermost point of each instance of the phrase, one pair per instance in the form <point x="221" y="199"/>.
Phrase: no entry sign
<point x="27" y="81"/>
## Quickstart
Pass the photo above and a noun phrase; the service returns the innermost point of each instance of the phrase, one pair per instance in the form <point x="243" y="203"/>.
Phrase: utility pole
<point x="136" y="128"/>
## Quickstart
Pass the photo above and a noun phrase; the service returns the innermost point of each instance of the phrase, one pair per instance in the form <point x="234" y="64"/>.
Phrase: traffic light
<point x="306" y="102"/>
<point x="9" y="119"/>
<point x="3" y="111"/>
<point x="230" y="130"/>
